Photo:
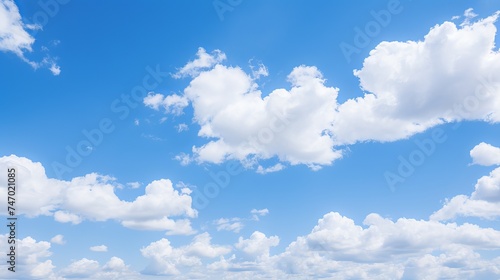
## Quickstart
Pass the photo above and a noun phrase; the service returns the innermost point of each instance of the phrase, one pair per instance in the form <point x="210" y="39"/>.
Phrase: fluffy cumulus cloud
<point x="384" y="249"/>
<point x="484" y="202"/>
<point x="485" y="154"/>
<point x="258" y="245"/>
<point x="411" y="86"/>
<point x="448" y="76"/>
<point x="85" y="268"/>
<point x="338" y="248"/>
<point x="243" y="124"/>
<point x="167" y="260"/>
<point x="14" y="36"/>
<point x="92" y="197"/>
<point x="34" y="263"/>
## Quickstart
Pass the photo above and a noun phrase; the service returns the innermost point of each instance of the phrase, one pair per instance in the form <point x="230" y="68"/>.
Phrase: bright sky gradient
<point x="233" y="139"/>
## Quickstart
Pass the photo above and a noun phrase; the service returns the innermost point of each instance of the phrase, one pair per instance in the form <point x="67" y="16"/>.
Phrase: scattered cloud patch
<point x="182" y="127"/>
<point x="99" y="248"/>
<point x="485" y="154"/>
<point x="55" y="69"/>
<point x="484" y="202"/>
<point x="173" y="104"/>
<point x="134" y="185"/>
<point x="275" y="168"/>
<point x="468" y="15"/>
<point x="234" y="224"/>
<point x="166" y="260"/>
<point x="58" y="239"/>
<point x="203" y="61"/>
<point x="115" y="268"/>
<point x="256" y="213"/>
<point x="152" y="137"/>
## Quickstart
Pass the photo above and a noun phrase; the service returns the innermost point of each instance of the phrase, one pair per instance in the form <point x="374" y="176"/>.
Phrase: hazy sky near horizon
<point x="232" y="139"/>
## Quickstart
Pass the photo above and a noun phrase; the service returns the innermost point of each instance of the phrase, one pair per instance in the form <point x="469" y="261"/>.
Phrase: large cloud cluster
<point x="409" y="87"/>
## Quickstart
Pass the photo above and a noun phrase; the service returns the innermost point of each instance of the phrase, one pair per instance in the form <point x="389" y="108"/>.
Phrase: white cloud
<point x="484" y="202"/>
<point x="183" y="158"/>
<point x="166" y="260"/>
<point x="258" y="245"/>
<point x="256" y="213"/>
<point x="204" y="61"/>
<point x="115" y="268"/>
<point x="81" y="269"/>
<point x="384" y="249"/>
<point x="134" y="185"/>
<point x="92" y="197"/>
<point x="182" y="127"/>
<point x="15" y="38"/>
<point x="99" y="248"/>
<point x="409" y="87"/>
<point x="65" y="217"/>
<point x="55" y="69"/>
<point x="173" y="227"/>
<point x="485" y="154"/>
<point x="275" y="168"/>
<point x="234" y="224"/>
<point x="337" y="248"/>
<point x="412" y="86"/>
<point x="137" y="122"/>
<point x="58" y="239"/>
<point x="173" y="104"/>
<point x="261" y="212"/>
<point x="290" y="124"/>
<point x="260" y="71"/>
<point x="468" y="14"/>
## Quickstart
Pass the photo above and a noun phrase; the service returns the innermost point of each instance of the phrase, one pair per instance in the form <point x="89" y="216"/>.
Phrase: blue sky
<point x="252" y="140"/>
